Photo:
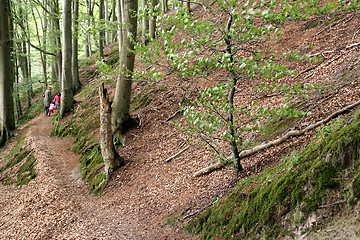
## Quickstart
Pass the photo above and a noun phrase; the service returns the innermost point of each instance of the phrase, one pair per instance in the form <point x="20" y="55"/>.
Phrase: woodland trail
<point x="57" y="205"/>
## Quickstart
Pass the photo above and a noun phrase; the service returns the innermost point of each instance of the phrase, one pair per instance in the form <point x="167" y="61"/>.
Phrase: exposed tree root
<point x="291" y="133"/>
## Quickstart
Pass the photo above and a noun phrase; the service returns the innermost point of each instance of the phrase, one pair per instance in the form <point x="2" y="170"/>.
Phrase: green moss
<point x="18" y="165"/>
<point x="92" y="169"/>
<point x="113" y="57"/>
<point x="143" y="99"/>
<point x="296" y="187"/>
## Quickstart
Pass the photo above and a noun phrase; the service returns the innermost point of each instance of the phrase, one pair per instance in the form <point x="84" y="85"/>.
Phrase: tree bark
<point x="102" y="31"/>
<point x="164" y="5"/>
<point x="67" y="95"/>
<point x="121" y="104"/>
<point x="114" y="18"/>
<point x="56" y="27"/>
<point x="7" y="122"/>
<point x="88" y="50"/>
<point x="75" y="73"/>
<point x="111" y="159"/>
<point x="145" y="24"/>
<point x="152" y="22"/>
<point x="107" y="19"/>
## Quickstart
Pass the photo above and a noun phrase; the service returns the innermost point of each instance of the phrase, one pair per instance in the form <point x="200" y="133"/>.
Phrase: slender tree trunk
<point x="45" y="29"/>
<point x="152" y="22"/>
<point x="67" y="95"/>
<point x="56" y="28"/>
<point x="164" y="6"/>
<point x="88" y="36"/>
<point x="187" y="6"/>
<point x="145" y="24"/>
<point x="7" y="122"/>
<point x="114" y="19"/>
<point x="102" y="31"/>
<point x="16" y="93"/>
<point x="107" y="33"/>
<point x="121" y="104"/>
<point x="111" y="159"/>
<point x="76" y="80"/>
<point x="43" y="64"/>
<point x="232" y="85"/>
<point x="120" y="20"/>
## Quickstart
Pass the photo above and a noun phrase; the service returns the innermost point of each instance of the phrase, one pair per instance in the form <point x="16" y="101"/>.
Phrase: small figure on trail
<point x="57" y="100"/>
<point x="47" y="100"/>
<point x="51" y="109"/>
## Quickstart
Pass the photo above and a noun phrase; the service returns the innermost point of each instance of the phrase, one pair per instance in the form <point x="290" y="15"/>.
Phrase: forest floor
<point x="147" y="190"/>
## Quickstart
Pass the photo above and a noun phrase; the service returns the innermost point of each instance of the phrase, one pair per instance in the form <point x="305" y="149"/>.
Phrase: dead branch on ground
<point x="291" y="133"/>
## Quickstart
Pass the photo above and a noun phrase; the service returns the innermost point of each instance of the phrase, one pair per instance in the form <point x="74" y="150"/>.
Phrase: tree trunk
<point x="111" y="159"/>
<point x="88" y="36"/>
<point x="164" y="5"/>
<point x="120" y="14"/>
<point x="56" y="27"/>
<point x="152" y="22"/>
<point x="67" y="95"/>
<point x="114" y="18"/>
<point x="7" y="122"/>
<point x="187" y="6"/>
<point x="76" y="80"/>
<point x="107" y="33"/>
<point x="16" y="93"/>
<point x="102" y="31"/>
<point x="121" y="104"/>
<point x="145" y="24"/>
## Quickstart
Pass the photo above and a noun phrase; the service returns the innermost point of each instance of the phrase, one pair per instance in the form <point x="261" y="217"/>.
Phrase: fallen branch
<point x="332" y="204"/>
<point x="289" y="134"/>
<point x="177" y="154"/>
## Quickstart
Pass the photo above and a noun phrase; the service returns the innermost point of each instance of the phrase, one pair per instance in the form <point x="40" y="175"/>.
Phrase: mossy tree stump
<point x="112" y="160"/>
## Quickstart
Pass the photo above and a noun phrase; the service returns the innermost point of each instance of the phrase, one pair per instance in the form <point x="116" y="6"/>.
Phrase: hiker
<point x="51" y="109"/>
<point x="57" y="100"/>
<point x="47" y="100"/>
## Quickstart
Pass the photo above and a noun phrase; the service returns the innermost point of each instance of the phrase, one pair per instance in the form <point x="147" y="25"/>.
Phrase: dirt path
<point x="57" y="205"/>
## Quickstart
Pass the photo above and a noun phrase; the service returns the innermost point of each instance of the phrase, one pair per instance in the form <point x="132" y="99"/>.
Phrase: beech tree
<point x="121" y="103"/>
<point x="7" y="122"/>
<point x="75" y="69"/>
<point x="67" y="94"/>
<point x="228" y="33"/>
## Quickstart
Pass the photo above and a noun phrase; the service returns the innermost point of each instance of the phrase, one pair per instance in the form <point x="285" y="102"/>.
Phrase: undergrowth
<point x="268" y="204"/>
<point x="18" y="166"/>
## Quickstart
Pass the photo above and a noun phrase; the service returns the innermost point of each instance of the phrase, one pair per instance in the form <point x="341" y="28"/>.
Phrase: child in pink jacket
<point x="51" y="109"/>
<point x="56" y="100"/>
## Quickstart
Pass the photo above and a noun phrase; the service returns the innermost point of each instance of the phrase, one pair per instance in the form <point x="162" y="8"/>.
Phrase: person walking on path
<point x="57" y="100"/>
<point x="47" y="100"/>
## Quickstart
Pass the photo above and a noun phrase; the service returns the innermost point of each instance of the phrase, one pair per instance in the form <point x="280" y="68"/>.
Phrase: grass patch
<point x="267" y="205"/>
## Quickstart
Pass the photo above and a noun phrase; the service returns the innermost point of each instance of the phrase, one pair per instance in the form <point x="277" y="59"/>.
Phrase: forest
<point x="179" y="119"/>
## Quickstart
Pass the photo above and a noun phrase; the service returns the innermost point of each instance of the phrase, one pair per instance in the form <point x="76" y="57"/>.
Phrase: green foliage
<point x="36" y="108"/>
<point x="295" y="187"/>
<point x="228" y="45"/>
